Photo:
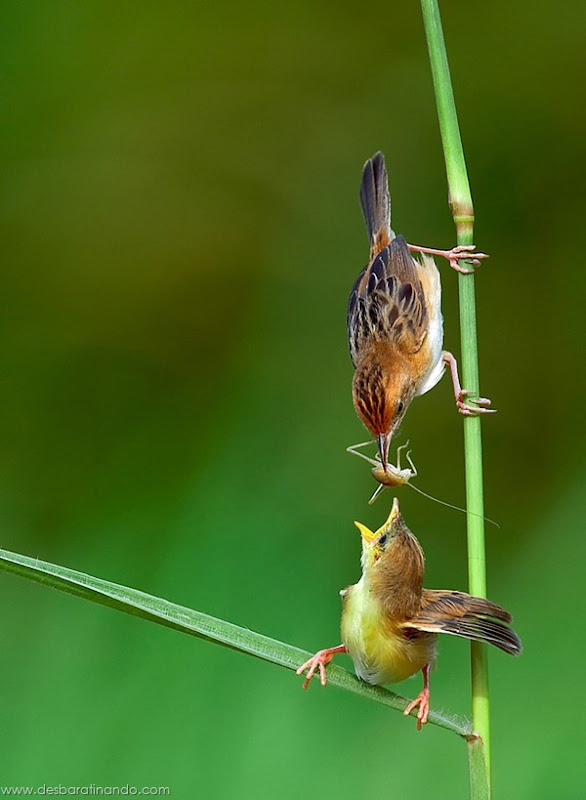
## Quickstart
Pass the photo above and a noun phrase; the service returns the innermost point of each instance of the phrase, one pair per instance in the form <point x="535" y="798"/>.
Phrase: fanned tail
<point x="376" y="203"/>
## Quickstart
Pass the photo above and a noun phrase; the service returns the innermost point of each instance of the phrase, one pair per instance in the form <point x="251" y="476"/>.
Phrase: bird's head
<point x="377" y="547"/>
<point x="376" y="544"/>
<point x="381" y="396"/>
<point x="393" y="565"/>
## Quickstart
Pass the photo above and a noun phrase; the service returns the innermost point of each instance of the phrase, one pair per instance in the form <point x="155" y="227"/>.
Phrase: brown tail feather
<point x="376" y="203"/>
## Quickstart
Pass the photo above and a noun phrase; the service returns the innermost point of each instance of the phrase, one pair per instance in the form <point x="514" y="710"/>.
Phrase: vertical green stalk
<point x="460" y="201"/>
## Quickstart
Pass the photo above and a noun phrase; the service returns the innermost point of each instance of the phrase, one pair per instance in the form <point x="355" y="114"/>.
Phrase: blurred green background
<point x="180" y="231"/>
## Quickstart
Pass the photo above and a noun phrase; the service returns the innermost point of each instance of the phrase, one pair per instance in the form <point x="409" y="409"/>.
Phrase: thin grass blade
<point x="203" y="626"/>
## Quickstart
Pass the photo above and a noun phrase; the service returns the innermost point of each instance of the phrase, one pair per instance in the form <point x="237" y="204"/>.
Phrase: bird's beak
<point x="395" y="513"/>
<point x="384" y="440"/>
<point x="365" y="532"/>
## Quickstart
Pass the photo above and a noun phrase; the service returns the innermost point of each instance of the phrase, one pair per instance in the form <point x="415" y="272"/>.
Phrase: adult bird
<point x="395" y="324"/>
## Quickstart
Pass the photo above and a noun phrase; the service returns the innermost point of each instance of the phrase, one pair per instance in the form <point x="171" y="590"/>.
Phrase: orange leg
<point x="460" y="394"/>
<point x="454" y="256"/>
<point x="422" y="700"/>
<point x="320" y="660"/>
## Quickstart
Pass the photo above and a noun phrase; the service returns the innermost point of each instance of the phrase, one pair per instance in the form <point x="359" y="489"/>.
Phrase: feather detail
<point x="381" y="650"/>
<point x="470" y="617"/>
<point x="397" y="581"/>
<point x="432" y="289"/>
<point x="375" y="202"/>
<point x="387" y="303"/>
<point x="459" y="603"/>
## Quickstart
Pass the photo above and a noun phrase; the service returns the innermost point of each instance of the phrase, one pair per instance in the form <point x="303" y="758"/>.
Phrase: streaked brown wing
<point x="460" y="614"/>
<point x="459" y="604"/>
<point x="388" y="301"/>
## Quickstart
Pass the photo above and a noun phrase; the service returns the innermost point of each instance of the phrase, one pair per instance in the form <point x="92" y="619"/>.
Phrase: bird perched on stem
<point x="395" y="326"/>
<point x="390" y="622"/>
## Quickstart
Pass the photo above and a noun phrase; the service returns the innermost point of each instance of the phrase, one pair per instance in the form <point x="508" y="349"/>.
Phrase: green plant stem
<point x="479" y="785"/>
<point x="460" y="201"/>
<point x="204" y="626"/>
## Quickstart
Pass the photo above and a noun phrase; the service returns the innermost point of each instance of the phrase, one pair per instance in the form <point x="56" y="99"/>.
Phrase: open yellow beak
<point x="395" y="513"/>
<point x="368" y="535"/>
<point x="365" y="532"/>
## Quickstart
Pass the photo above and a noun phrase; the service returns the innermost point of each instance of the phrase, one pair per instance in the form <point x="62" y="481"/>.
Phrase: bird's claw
<point x="422" y="700"/>
<point x="319" y="661"/>
<point x="464" y="252"/>
<point x="479" y="406"/>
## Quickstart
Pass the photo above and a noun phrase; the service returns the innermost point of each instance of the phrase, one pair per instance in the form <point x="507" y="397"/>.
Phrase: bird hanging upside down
<point x="390" y="622"/>
<point x="395" y="325"/>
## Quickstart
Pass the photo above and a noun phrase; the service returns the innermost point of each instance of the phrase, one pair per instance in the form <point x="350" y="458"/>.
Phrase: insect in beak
<point x="384" y="440"/>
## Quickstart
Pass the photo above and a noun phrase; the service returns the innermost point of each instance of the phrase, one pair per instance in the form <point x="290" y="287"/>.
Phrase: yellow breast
<point x="378" y="647"/>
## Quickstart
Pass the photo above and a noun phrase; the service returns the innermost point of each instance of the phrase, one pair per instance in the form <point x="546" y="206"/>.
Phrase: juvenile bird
<point x="390" y="622"/>
<point x="395" y="325"/>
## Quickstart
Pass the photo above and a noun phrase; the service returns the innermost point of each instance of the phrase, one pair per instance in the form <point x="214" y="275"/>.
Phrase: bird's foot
<point x="422" y="700"/>
<point x="479" y="406"/>
<point x="319" y="661"/>
<point x="460" y="394"/>
<point x="462" y="252"/>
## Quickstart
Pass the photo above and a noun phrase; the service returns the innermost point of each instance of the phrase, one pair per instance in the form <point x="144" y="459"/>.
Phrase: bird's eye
<point x="400" y="406"/>
<point x="383" y="540"/>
